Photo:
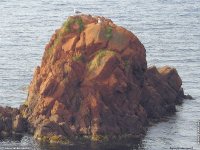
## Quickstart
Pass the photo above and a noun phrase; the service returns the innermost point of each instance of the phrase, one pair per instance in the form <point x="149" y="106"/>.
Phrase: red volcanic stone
<point x="94" y="83"/>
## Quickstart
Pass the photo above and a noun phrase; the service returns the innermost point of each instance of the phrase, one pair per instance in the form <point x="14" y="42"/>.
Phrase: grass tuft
<point x="78" y="58"/>
<point x="108" y="32"/>
<point x="67" y="25"/>
<point x="98" y="59"/>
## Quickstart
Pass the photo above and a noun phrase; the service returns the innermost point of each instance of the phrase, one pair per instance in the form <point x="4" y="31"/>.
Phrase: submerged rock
<point x="93" y="83"/>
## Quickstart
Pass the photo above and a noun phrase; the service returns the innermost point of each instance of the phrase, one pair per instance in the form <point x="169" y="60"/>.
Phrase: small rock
<point x="19" y="124"/>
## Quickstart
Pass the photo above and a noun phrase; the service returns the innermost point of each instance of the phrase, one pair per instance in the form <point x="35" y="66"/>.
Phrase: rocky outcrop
<point x="11" y="122"/>
<point x="93" y="83"/>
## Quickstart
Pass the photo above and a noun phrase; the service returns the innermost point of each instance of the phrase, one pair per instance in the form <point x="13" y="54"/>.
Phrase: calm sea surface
<point x="169" y="29"/>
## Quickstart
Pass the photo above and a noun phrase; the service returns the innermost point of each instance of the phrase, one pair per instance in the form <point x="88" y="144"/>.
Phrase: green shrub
<point x="98" y="59"/>
<point x="55" y="43"/>
<point x="108" y="32"/>
<point x="70" y="21"/>
<point x="59" y="139"/>
<point x="99" y="138"/>
<point x="66" y="28"/>
<point x="80" y="23"/>
<point x="78" y="58"/>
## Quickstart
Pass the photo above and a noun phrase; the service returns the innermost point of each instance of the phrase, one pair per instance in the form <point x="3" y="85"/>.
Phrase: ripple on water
<point x="169" y="29"/>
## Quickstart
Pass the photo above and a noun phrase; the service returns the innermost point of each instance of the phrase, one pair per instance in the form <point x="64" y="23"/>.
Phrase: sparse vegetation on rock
<point x="93" y="84"/>
<point x="100" y="58"/>
<point x="108" y="32"/>
<point x="72" y="24"/>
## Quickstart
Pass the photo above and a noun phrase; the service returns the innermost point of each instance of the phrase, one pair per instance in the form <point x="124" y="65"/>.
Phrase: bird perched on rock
<point x="99" y="20"/>
<point x="76" y="11"/>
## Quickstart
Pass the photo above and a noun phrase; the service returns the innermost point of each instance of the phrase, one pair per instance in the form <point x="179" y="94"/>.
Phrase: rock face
<point x="94" y="83"/>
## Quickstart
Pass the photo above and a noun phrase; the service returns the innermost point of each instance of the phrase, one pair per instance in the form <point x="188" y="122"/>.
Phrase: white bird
<point x="99" y="20"/>
<point x="76" y="11"/>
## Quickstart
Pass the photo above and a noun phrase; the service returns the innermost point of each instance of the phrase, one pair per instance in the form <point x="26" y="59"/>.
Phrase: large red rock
<point x="93" y="82"/>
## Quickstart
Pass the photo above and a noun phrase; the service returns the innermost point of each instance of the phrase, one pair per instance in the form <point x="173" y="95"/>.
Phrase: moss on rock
<point x="98" y="59"/>
<point x="99" y="138"/>
<point x="108" y="32"/>
<point x="68" y="25"/>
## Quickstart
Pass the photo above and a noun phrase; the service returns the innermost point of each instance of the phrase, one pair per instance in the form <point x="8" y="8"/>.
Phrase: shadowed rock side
<point x="93" y="83"/>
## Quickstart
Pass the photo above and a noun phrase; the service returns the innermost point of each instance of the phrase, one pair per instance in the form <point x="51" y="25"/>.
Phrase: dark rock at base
<point x="188" y="97"/>
<point x="9" y="121"/>
<point x="19" y="124"/>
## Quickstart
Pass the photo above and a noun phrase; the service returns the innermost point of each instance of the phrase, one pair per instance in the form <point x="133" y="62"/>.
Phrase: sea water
<point x="169" y="30"/>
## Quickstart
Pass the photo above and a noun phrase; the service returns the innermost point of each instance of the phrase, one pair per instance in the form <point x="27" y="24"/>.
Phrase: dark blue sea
<point x="169" y="30"/>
